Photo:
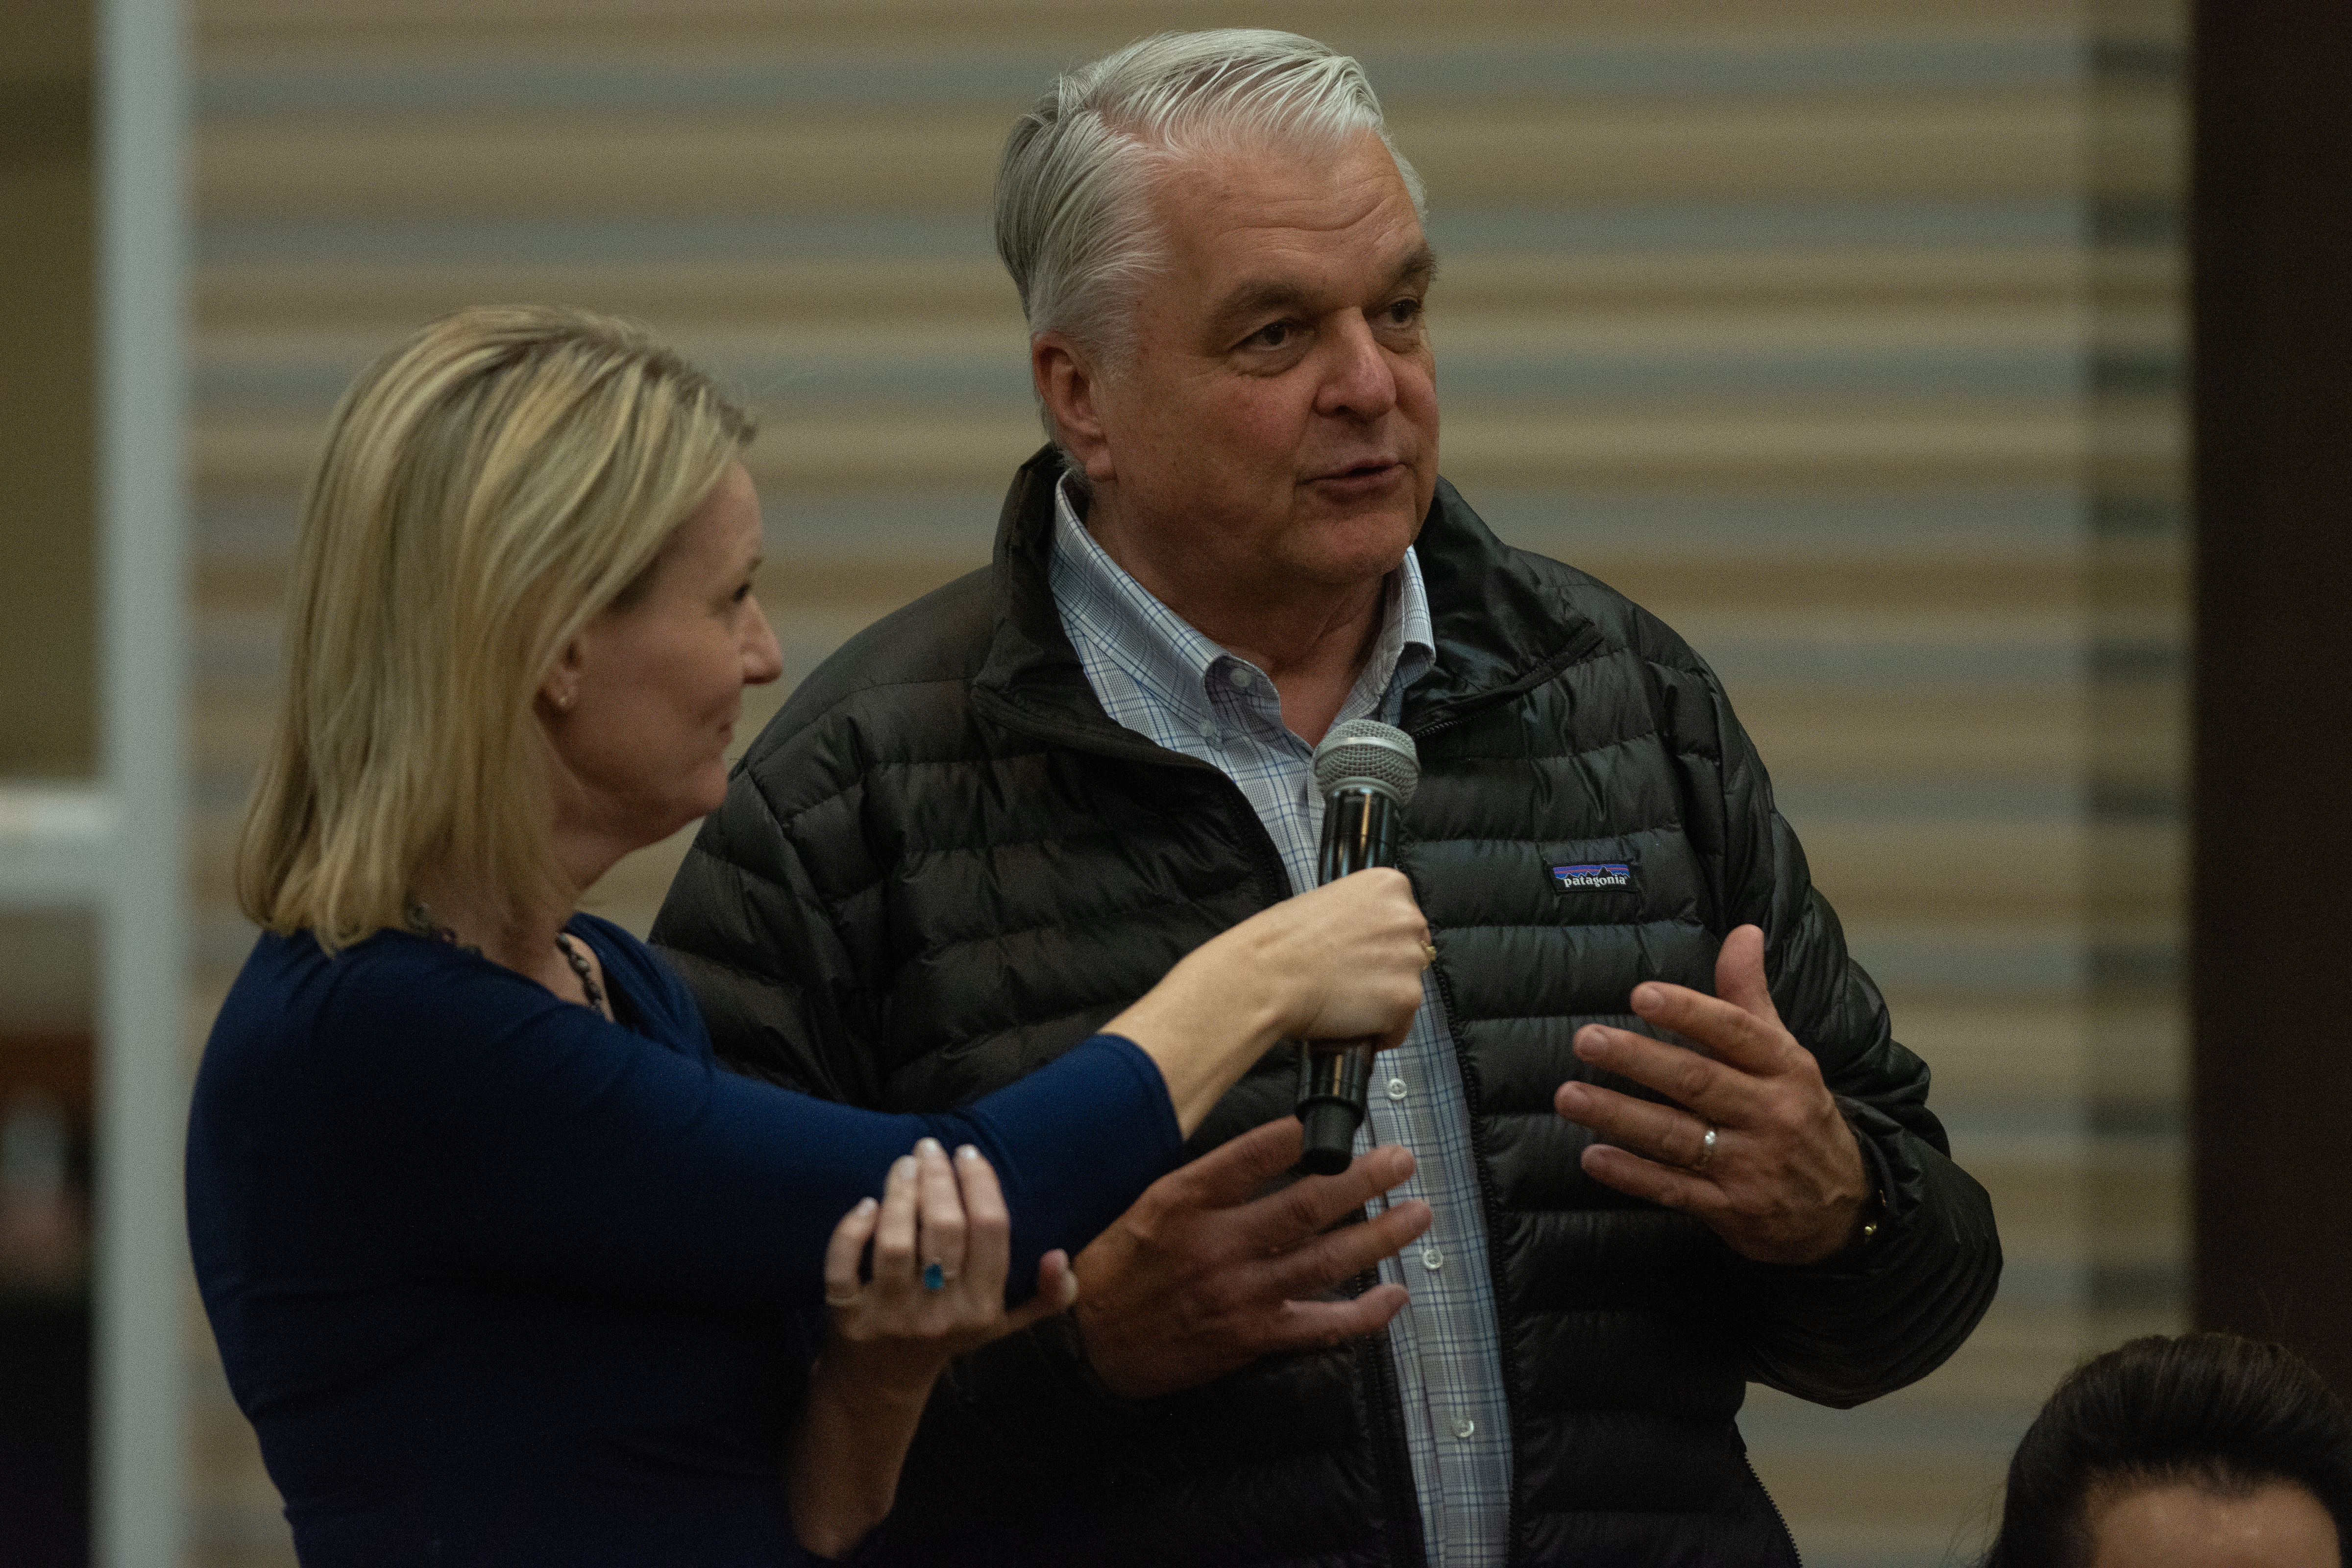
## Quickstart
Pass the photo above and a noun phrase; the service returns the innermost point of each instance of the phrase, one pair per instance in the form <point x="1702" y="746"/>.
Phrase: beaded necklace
<point x="421" y="922"/>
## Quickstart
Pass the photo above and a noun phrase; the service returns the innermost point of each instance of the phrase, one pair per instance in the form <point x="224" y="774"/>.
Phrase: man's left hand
<point x="1783" y="1180"/>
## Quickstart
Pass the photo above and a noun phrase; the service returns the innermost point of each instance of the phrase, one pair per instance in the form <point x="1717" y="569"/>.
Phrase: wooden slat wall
<point x="1844" y="336"/>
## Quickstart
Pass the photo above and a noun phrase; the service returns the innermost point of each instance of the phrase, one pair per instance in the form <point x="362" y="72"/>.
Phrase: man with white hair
<point x="998" y="814"/>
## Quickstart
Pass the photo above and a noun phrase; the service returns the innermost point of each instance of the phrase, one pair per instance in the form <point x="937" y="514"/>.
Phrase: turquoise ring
<point x="934" y="1277"/>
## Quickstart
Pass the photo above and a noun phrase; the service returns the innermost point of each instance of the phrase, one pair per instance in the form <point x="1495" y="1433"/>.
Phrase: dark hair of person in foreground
<point x="2225" y="1417"/>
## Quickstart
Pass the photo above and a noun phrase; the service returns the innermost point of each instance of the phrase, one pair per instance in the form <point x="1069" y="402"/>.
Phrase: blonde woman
<point x="503" y="1268"/>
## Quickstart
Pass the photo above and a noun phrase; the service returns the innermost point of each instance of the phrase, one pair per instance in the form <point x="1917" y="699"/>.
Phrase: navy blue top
<point x="499" y="1282"/>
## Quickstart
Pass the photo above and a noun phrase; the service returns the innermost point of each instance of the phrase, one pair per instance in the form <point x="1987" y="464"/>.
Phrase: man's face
<point x="1276" y="423"/>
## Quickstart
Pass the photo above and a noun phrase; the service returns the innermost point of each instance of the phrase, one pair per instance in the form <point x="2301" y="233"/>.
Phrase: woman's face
<point x="641" y="709"/>
<point x="2183" y="1525"/>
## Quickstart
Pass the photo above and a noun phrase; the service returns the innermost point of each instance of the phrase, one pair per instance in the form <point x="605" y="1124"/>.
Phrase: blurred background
<point x="1848" y="337"/>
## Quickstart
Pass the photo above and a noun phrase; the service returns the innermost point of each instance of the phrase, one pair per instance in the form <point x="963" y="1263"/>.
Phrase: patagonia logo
<point x="1595" y="874"/>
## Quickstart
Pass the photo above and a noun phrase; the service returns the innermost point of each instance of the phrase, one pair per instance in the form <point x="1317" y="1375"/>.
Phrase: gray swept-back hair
<point x="1071" y="219"/>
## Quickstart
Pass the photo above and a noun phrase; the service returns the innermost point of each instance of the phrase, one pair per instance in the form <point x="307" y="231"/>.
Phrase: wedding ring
<point x="1705" y="1150"/>
<point x="1428" y="953"/>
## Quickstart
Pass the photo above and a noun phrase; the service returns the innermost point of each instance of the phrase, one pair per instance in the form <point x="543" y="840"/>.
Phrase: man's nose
<point x="1360" y="383"/>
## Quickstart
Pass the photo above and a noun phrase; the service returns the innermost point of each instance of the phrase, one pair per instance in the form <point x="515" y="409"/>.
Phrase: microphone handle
<point x="1358" y="832"/>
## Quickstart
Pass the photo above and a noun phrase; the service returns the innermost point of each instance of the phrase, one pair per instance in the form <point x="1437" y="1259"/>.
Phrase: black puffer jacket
<point x="942" y="864"/>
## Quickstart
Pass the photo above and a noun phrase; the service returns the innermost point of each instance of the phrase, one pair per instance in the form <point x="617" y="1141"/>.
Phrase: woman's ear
<point x="560" y="688"/>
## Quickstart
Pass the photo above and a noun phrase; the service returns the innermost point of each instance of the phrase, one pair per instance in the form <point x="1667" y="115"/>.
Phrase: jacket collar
<point x="1505" y="620"/>
<point x="1031" y="678"/>
<point x="1503" y="625"/>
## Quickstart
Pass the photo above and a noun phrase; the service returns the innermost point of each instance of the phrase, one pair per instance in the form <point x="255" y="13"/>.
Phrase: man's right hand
<point x="1202" y="1276"/>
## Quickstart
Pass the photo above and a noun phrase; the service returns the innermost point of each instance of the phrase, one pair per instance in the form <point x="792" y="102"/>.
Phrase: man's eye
<point x="1404" y="312"/>
<point x="1273" y="335"/>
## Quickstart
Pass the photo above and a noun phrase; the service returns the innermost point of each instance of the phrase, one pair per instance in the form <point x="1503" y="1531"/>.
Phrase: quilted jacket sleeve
<point x="1871" y="1320"/>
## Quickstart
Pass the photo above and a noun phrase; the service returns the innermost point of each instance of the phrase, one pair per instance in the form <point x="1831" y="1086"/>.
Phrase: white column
<point x="141" y="116"/>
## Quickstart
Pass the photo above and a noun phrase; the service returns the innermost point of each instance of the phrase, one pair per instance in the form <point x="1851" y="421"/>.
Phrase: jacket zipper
<point x="1490" y="1204"/>
<point x="1408" y="1547"/>
<point x="1450" y="720"/>
<point x="1778" y="1518"/>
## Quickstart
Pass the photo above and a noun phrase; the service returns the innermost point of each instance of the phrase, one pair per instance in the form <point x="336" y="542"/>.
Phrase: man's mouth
<point x="1370" y="468"/>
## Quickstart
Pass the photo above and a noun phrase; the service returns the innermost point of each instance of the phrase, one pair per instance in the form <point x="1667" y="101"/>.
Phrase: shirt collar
<point x="1161" y="651"/>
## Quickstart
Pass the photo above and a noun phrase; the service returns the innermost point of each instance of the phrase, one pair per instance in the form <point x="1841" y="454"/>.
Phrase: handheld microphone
<point x="1367" y="771"/>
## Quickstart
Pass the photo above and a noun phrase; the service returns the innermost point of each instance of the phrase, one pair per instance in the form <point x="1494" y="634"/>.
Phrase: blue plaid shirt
<point x="1158" y="676"/>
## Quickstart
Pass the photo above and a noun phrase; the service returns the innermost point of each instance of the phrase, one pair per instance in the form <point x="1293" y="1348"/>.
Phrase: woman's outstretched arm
<point x="511" y="1131"/>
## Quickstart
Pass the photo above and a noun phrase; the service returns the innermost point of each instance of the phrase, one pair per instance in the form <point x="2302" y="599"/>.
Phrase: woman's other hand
<point x="941" y="1241"/>
<point x="941" y="1244"/>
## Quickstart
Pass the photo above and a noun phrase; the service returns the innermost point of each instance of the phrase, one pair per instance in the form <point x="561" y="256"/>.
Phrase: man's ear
<point x="1067" y="385"/>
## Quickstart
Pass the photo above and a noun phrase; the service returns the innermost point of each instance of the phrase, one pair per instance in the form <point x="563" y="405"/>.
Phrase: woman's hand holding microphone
<point x="1339" y="966"/>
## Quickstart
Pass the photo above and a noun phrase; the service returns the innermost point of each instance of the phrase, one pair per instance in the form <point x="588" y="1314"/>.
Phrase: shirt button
<point x="1211" y="734"/>
<point x="1396" y="1089"/>
<point x="1432" y="1260"/>
<point x="1463" y="1427"/>
<point x="1240" y="675"/>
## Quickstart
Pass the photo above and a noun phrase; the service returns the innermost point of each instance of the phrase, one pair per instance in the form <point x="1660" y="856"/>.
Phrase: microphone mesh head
<point x="1368" y="750"/>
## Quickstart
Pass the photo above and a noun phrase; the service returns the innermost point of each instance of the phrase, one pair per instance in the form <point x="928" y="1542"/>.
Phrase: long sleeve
<point x="1864" y="1323"/>
<point x="484" y="1126"/>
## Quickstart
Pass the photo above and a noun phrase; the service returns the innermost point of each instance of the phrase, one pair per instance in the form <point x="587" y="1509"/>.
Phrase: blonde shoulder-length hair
<point x="487" y="489"/>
